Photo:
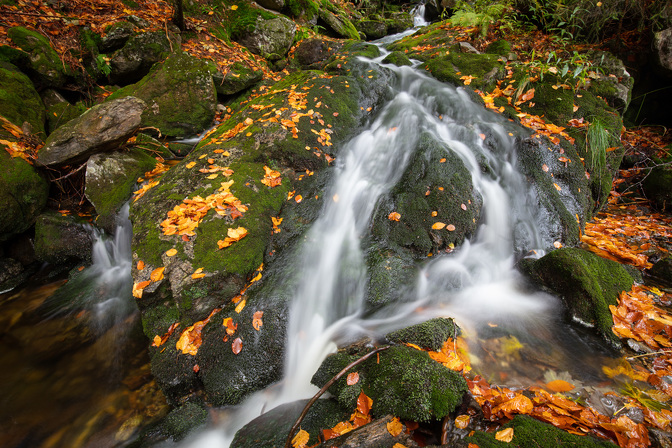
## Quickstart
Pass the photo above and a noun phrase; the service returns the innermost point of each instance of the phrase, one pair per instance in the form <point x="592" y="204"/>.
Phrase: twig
<point x="69" y="174"/>
<point x="324" y="389"/>
<point x="649" y="354"/>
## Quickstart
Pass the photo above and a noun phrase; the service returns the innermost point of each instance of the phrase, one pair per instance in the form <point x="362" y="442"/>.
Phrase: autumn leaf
<point x="450" y="227"/>
<point x="519" y="404"/>
<point x="157" y="274"/>
<point x="138" y="287"/>
<point x="240" y="306"/>
<point x="171" y="252"/>
<point x="140" y="266"/>
<point x="364" y="403"/>
<point x="237" y="346"/>
<point x="467" y="79"/>
<point x="271" y="178"/>
<point x="394" y="216"/>
<point x="298" y="198"/>
<point x="233" y="235"/>
<point x="438" y="225"/>
<point x="462" y="421"/>
<point x="190" y="340"/>
<point x="394" y="427"/>
<point x="505" y="435"/>
<point x="198" y="273"/>
<point x="559" y="386"/>
<point x="256" y="320"/>
<point x="230" y="326"/>
<point x="352" y="379"/>
<point x="300" y="440"/>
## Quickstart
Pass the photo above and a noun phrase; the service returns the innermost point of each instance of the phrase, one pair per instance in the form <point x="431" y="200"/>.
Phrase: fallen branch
<point x="296" y="425"/>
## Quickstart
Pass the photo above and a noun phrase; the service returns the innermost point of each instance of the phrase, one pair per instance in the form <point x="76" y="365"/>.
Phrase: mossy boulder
<point x="61" y="239"/>
<point x="397" y="58"/>
<point x="59" y="110"/>
<point x="657" y="187"/>
<point x="271" y="428"/>
<point x="270" y="38"/>
<point x="586" y="283"/>
<point x="398" y="22"/>
<point x="116" y="36"/>
<point x="452" y="65"/>
<point x="529" y="433"/>
<point x="134" y="60"/>
<point x="430" y="335"/>
<point x="44" y="65"/>
<point x="239" y="76"/>
<point x="402" y="381"/>
<point x="110" y="178"/>
<point x="338" y="22"/>
<point x="23" y="193"/>
<point x="392" y="272"/>
<point x="180" y="96"/>
<point x="184" y="420"/>
<point x="19" y="101"/>
<point x="372" y="29"/>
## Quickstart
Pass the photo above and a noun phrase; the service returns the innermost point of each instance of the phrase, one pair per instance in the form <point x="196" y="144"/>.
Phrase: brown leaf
<point x="394" y="216"/>
<point x="353" y="378"/>
<point x="462" y="421"/>
<point x="256" y="320"/>
<point x="364" y="403"/>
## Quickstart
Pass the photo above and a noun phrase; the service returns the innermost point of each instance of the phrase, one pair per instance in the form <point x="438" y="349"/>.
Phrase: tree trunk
<point x="178" y="15"/>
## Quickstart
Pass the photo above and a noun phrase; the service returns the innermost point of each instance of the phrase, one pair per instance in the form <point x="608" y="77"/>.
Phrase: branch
<point x="324" y="389"/>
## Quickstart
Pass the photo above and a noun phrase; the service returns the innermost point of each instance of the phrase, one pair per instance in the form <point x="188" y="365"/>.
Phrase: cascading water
<point x="476" y="285"/>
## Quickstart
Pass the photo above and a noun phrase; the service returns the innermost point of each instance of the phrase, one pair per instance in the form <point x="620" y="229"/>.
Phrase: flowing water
<point x="477" y="284"/>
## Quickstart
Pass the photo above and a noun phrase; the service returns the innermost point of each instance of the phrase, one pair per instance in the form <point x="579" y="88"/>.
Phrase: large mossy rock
<point x="101" y="128"/>
<point x="294" y="142"/>
<point x="134" y="60"/>
<point x="430" y="335"/>
<point x="110" y="178"/>
<point x="19" y="101"/>
<point x="23" y="195"/>
<point x="401" y="381"/>
<point x="373" y="435"/>
<point x="61" y="239"/>
<point x="528" y="433"/>
<point x="239" y="76"/>
<point x="44" y="65"/>
<point x="180" y="96"/>
<point x="338" y="22"/>
<point x="270" y="38"/>
<point x="586" y="283"/>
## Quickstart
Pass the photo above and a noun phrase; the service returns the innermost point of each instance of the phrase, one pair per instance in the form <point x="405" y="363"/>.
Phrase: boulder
<point x="61" y="239"/>
<point x="44" y="65"/>
<point x="59" y="110"/>
<point x="180" y="96"/>
<point x="398" y="22"/>
<point x="661" y="271"/>
<point x="239" y="76"/>
<point x="134" y="60"/>
<point x="23" y="193"/>
<point x="397" y="58"/>
<point x="338" y="23"/>
<point x="313" y="53"/>
<point x="110" y="178"/>
<point x="101" y="128"/>
<point x="372" y="29"/>
<point x="586" y="283"/>
<point x="373" y="435"/>
<point x="613" y="82"/>
<point x="116" y="36"/>
<point x="275" y="5"/>
<point x="19" y="101"/>
<point x="401" y="381"/>
<point x="657" y="187"/>
<point x="662" y="44"/>
<point x="270" y="38"/>
<point x="430" y="335"/>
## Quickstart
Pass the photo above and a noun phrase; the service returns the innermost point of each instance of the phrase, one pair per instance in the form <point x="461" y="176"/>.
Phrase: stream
<point x="514" y="335"/>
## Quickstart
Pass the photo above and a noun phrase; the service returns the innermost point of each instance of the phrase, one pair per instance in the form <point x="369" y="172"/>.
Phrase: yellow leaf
<point x="462" y="421"/>
<point x="157" y="274"/>
<point x="300" y="440"/>
<point x="198" y="273"/>
<point x="234" y="7"/>
<point x="438" y="225"/>
<point x="240" y="306"/>
<point x="394" y="427"/>
<point x="171" y="252"/>
<point x="191" y="164"/>
<point x="398" y="445"/>
<point x="141" y="265"/>
<point x="213" y="176"/>
<point x="505" y="435"/>
<point x="394" y="216"/>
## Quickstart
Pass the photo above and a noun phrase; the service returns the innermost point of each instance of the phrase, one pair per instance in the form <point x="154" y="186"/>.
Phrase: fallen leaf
<point x="198" y="273"/>
<point x="438" y="225"/>
<point x="240" y="306"/>
<point x="559" y="386"/>
<point x="157" y="274"/>
<point x="237" y="346"/>
<point x="230" y="326"/>
<point x="462" y="421"/>
<point x="394" y="216"/>
<point x="505" y="435"/>
<point x="352" y="379"/>
<point x="364" y="403"/>
<point x="394" y="427"/>
<point x="450" y="227"/>
<point x="141" y="265"/>
<point x="298" y="198"/>
<point x="191" y="164"/>
<point x="256" y="320"/>
<point x="171" y="252"/>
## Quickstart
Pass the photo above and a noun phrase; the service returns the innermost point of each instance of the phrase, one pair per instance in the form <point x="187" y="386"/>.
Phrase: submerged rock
<point x="101" y="128"/>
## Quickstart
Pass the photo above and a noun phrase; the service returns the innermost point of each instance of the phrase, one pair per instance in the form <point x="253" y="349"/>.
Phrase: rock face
<point x="180" y="96"/>
<point x="60" y="239"/>
<point x="23" y="193"/>
<point x="110" y="178"/>
<point x="101" y="128"/>
<point x="44" y="64"/>
<point x="270" y="38"/>
<point x="19" y="101"/>
<point x="657" y="187"/>
<point x="136" y="57"/>
<point x="662" y="43"/>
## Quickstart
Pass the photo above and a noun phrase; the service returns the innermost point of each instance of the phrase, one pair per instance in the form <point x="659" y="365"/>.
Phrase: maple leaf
<point x="300" y="440"/>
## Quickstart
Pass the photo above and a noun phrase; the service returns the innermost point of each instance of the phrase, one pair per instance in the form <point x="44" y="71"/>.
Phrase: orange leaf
<point x="240" y="306"/>
<point x="353" y="378"/>
<point x="256" y="320"/>
<point x="364" y="403"/>
<point x="438" y="225"/>
<point x="230" y="326"/>
<point x="520" y="404"/>
<point x="191" y="164"/>
<point x="300" y="440"/>
<point x="505" y="435"/>
<point x="237" y="346"/>
<point x="157" y="274"/>
<point x="171" y="252"/>
<point x="559" y="386"/>
<point x="394" y="216"/>
<point x="141" y="265"/>
<point x="450" y="227"/>
<point x="462" y="421"/>
<point x="298" y="198"/>
<point x="394" y="427"/>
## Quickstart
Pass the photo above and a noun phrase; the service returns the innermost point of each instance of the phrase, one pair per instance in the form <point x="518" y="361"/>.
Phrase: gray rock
<point x="180" y="96"/>
<point x="101" y="128"/>
<point x="238" y="77"/>
<point x="60" y="238"/>
<point x="270" y="38"/>
<point x="466" y="47"/>
<point x="23" y="195"/>
<point x="59" y="110"/>
<point x="116" y="36"/>
<point x="372" y="29"/>
<point x="9" y="268"/>
<point x="139" y="54"/>
<point x="110" y="178"/>
<point x="339" y="23"/>
<point x="662" y="44"/>
<point x="275" y="5"/>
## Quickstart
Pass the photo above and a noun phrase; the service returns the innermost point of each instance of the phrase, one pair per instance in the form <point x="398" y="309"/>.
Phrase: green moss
<point x="431" y="334"/>
<point x="306" y="10"/>
<point x="243" y="19"/>
<point x="157" y="319"/>
<point x="501" y="47"/>
<point x="19" y="101"/>
<point x="397" y="58"/>
<point x="531" y="433"/>
<point x="486" y="68"/>
<point x="45" y="64"/>
<point x="184" y="420"/>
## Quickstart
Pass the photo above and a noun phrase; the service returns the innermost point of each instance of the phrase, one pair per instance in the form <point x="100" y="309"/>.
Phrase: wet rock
<point x="19" y="101"/>
<point x="657" y="187"/>
<point x="180" y="96"/>
<point x="372" y="435"/>
<point x="586" y="283"/>
<point x="110" y="179"/>
<point x="130" y="63"/>
<point x="402" y="381"/>
<point x="613" y="83"/>
<point x="44" y="66"/>
<point x="391" y="276"/>
<point x="9" y="268"/>
<point x="430" y="335"/>
<point x="239" y="77"/>
<point x="661" y="271"/>
<point x="662" y="44"/>
<point x="184" y="420"/>
<point x="275" y="5"/>
<point x="398" y="22"/>
<point x="116" y="36"/>
<point x="60" y="239"/>
<point x="23" y="193"/>
<point x="312" y="53"/>
<point x="101" y="128"/>
<point x="270" y="38"/>
<point x="338" y="22"/>
<point x="272" y="427"/>
<point x="397" y="58"/>
<point x="372" y="29"/>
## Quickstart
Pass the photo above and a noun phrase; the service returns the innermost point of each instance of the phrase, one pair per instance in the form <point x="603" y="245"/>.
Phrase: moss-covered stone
<point x="239" y="77"/>
<point x="61" y="239"/>
<point x="59" y="110"/>
<point x="19" y="101"/>
<point x="45" y="66"/>
<point x="430" y="335"/>
<point x="657" y="187"/>
<point x="402" y="381"/>
<point x="135" y="59"/>
<point x="452" y="65"/>
<point x="531" y="433"/>
<point x="397" y="58"/>
<point x="338" y="21"/>
<point x="180" y="95"/>
<point x="23" y="193"/>
<point x="501" y="47"/>
<point x="184" y="420"/>
<point x="372" y="29"/>
<point x="585" y="282"/>
<point x="391" y="276"/>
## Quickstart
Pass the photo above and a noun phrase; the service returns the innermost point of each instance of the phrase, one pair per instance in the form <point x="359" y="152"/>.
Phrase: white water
<point x="476" y="285"/>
